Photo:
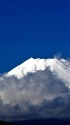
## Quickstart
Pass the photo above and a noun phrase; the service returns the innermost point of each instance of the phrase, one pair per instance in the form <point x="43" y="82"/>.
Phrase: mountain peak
<point x="31" y="65"/>
<point x="59" y="67"/>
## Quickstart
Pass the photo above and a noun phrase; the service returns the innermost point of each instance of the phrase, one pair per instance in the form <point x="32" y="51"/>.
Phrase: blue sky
<point x="33" y="28"/>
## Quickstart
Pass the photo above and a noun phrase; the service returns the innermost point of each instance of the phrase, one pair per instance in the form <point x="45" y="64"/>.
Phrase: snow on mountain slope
<point x="44" y="93"/>
<point x="59" y="67"/>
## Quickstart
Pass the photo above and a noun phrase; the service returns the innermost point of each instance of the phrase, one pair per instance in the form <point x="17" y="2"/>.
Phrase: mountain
<point x="59" y="67"/>
<point x="36" y="89"/>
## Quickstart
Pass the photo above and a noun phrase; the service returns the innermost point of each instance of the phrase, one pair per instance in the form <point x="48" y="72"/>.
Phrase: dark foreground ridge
<point x="43" y="122"/>
<point x="39" y="122"/>
<point x="4" y="123"/>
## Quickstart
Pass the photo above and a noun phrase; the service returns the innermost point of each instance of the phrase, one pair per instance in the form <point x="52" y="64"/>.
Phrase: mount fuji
<point x="58" y="67"/>
<point x="37" y="88"/>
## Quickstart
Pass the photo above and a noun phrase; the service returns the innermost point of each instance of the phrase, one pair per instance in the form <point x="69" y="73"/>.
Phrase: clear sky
<point x="33" y="28"/>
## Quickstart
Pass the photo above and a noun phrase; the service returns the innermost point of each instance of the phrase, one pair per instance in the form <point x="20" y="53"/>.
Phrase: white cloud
<point x="37" y="95"/>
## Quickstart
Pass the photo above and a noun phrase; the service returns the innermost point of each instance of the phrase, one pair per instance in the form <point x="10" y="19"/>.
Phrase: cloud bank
<point x="37" y="95"/>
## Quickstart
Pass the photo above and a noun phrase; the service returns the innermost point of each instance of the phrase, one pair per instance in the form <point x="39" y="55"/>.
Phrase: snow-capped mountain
<point x="38" y="88"/>
<point x="59" y="67"/>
